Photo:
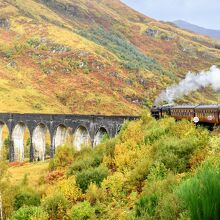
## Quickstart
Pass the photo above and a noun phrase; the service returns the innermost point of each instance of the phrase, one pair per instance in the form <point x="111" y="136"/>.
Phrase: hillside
<point x="197" y="29"/>
<point x="92" y="57"/>
<point x="152" y="170"/>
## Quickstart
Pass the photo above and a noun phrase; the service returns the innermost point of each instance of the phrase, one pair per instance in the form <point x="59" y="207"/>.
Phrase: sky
<point x="205" y="13"/>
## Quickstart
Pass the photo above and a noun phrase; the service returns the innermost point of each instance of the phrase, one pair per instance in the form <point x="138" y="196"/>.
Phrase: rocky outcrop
<point x="71" y="10"/>
<point x="4" y="23"/>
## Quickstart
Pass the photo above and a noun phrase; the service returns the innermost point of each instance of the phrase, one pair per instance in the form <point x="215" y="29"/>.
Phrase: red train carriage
<point x="183" y="112"/>
<point x="208" y="113"/>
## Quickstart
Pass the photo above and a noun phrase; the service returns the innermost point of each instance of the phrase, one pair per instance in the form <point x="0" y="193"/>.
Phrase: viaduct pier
<point x="84" y="130"/>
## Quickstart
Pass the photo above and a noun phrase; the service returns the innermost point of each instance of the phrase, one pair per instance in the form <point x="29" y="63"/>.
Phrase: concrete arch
<point x="39" y="141"/>
<point x="18" y="140"/>
<point x="60" y="135"/>
<point x="100" y="133"/>
<point x="81" y="137"/>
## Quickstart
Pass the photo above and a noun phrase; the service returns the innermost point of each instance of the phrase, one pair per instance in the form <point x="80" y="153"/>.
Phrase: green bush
<point x="64" y="156"/>
<point x="26" y="198"/>
<point x="157" y="171"/>
<point x="9" y="53"/>
<point x="29" y="213"/>
<point x="146" y="206"/>
<point x="140" y="172"/>
<point x="84" y="164"/>
<point x="158" y="200"/>
<point x="6" y="148"/>
<point x="92" y="175"/>
<point x="110" y="147"/>
<point x="55" y="206"/>
<point x="34" y="42"/>
<point x="175" y="152"/>
<point x="169" y="208"/>
<point x="82" y="211"/>
<point x="91" y="158"/>
<point x="201" y="193"/>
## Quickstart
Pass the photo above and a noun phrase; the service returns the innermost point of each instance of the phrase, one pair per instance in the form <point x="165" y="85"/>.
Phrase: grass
<point x="201" y="193"/>
<point x="33" y="171"/>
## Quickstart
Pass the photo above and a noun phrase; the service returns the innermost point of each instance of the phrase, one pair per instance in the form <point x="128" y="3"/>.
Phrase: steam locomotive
<point x="207" y="114"/>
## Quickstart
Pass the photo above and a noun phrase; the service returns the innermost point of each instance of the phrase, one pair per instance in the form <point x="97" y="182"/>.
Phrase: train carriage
<point x="208" y="113"/>
<point x="183" y="112"/>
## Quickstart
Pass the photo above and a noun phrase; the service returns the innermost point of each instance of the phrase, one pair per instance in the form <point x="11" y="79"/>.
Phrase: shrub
<point x="92" y="175"/>
<point x="83" y="164"/>
<point x="6" y="148"/>
<point x="146" y="206"/>
<point x="157" y="172"/>
<point x="157" y="198"/>
<point x="82" y="211"/>
<point x="29" y="213"/>
<point x="26" y="198"/>
<point x="94" y="194"/>
<point x="215" y="144"/>
<point x="155" y="130"/>
<point x="53" y="176"/>
<point x="8" y="195"/>
<point x="64" y="156"/>
<point x="56" y="206"/>
<point x="141" y="171"/>
<point x="87" y="160"/>
<point x="201" y="193"/>
<point x="169" y="208"/>
<point x="69" y="189"/>
<point x="110" y="147"/>
<point x="175" y="152"/>
<point x="114" y="185"/>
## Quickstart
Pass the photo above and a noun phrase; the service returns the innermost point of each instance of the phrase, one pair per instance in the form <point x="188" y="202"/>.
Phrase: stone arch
<point x="81" y="137"/>
<point x="60" y="135"/>
<point x="39" y="141"/>
<point x="4" y="134"/>
<point x="18" y="135"/>
<point x="118" y="128"/>
<point x="99" y="135"/>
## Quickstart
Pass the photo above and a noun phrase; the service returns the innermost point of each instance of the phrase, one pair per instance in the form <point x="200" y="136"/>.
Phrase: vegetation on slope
<point x="92" y="57"/>
<point x="149" y="171"/>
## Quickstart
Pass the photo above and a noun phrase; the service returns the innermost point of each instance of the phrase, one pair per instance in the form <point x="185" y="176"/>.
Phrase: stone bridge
<point x="83" y="129"/>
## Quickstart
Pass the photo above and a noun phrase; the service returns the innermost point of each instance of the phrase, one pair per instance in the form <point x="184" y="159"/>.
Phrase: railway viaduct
<point x="84" y="129"/>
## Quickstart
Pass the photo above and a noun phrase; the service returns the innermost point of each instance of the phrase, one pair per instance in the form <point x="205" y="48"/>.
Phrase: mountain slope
<point x="197" y="29"/>
<point x="92" y="57"/>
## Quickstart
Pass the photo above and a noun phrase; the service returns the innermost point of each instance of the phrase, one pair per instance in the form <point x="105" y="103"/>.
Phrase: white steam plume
<point x="192" y="82"/>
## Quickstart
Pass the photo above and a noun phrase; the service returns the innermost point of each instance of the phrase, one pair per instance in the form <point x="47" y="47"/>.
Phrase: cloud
<point x="201" y="12"/>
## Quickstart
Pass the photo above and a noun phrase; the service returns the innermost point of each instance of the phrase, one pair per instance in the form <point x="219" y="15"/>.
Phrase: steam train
<point x="204" y="114"/>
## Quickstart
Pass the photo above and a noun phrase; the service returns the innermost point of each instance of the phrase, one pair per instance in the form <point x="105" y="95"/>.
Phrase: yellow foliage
<point x="133" y="134"/>
<point x="94" y="194"/>
<point x="68" y="188"/>
<point x="131" y="148"/>
<point x="113" y="185"/>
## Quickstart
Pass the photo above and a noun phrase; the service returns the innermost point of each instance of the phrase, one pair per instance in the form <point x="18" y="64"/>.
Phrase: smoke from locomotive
<point x="192" y="82"/>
